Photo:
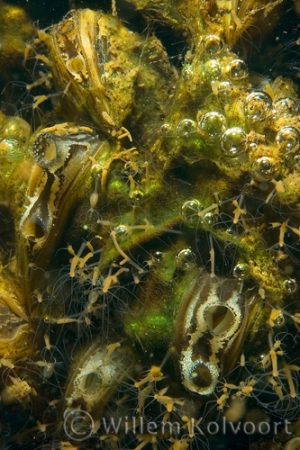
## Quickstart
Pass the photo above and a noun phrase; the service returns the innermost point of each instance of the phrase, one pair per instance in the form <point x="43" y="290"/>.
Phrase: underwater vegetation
<point x="149" y="230"/>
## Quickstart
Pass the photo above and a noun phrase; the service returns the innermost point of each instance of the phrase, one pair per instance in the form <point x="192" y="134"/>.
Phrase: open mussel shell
<point x="63" y="156"/>
<point x="96" y="373"/>
<point x="105" y="70"/>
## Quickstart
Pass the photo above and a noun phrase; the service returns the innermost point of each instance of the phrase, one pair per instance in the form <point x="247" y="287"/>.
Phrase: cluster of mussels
<point x="150" y="250"/>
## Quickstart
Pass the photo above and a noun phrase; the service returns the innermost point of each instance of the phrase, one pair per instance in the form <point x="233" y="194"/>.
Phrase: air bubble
<point x="230" y="232"/>
<point x="210" y="218"/>
<point x="286" y="107"/>
<point x="16" y="128"/>
<point x="190" y="210"/>
<point x="222" y="89"/>
<point x="213" y="44"/>
<point x="96" y="170"/>
<point x="279" y="321"/>
<point x="258" y="105"/>
<point x="212" y="125"/>
<point x="264" y="169"/>
<point x="11" y="147"/>
<point x="186" y="128"/>
<point x="186" y="259"/>
<point x="233" y="141"/>
<point x="288" y="139"/>
<point x="290" y="286"/>
<point x="166" y="130"/>
<point x="237" y="70"/>
<point x="241" y="271"/>
<point x="293" y="444"/>
<point x="157" y="257"/>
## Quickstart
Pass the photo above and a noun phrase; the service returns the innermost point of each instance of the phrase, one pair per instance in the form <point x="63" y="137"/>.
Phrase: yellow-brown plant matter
<point x="150" y="227"/>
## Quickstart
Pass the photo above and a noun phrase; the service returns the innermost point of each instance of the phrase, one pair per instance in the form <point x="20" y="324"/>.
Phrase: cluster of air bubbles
<point x="186" y="259"/>
<point x="233" y="141"/>
<point x="192" y="213"/>
<point x="186" y="128"/>
<point x="264" y="168"/>
<point x="258" y="106"/>
<point x="212" y="125"/>
<point x="237" y="70"/>
<point x="288" y="139"/>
